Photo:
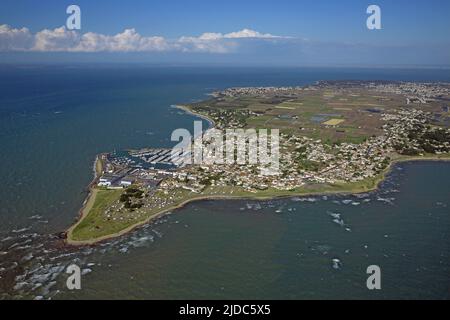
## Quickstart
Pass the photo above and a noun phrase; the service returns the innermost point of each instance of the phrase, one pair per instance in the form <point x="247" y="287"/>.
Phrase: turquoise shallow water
<point x="54" y="120"/>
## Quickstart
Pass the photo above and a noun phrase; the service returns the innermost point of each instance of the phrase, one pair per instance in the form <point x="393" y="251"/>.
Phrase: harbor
<point x="147" y="167"/>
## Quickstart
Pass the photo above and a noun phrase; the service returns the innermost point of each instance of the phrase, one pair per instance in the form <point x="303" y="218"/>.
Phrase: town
<point x="355" y="131"/>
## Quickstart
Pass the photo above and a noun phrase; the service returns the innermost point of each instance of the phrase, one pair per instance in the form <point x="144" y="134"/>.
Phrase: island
<point x="335" y="137"/>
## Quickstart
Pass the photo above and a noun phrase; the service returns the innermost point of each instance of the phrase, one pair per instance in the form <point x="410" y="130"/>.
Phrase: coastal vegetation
<point x="97" y="204"/>
<point x="336" y="138"/>
<point x="93" y="228"/>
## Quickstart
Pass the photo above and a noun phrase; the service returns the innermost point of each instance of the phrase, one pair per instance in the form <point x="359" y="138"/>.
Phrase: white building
<point x="106" y="180"/>
<point x="126" y="182"/>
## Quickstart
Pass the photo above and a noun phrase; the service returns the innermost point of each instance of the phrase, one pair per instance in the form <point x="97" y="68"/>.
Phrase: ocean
<point x="55" y="119"/>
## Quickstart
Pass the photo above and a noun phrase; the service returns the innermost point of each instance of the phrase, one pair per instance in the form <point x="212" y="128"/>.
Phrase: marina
<point x="147" y="167"/>
<point x="258" y="252"/>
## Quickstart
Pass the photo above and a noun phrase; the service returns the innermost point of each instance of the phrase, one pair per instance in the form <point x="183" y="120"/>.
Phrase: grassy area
<point x="93" y="227"/>
<point x="93" y="222"/>
<point x="359" y="125"/>
<point x="99" y="166"/>
<point x="345" y="118"/>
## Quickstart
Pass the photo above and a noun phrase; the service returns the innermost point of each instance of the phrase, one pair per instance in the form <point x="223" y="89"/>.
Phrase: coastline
<point x="189" y="111"/>
<point x="375" y="186"/>
<point x="90" y="199"/>
<point x="289" y="194"/>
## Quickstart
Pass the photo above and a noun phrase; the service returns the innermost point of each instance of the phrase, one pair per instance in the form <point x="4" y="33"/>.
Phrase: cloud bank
<point x="63" y="40"/>
<point x="241" y="47"/>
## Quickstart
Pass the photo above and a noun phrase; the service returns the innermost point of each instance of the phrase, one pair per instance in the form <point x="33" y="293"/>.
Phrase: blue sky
<point x="305" y="32"/>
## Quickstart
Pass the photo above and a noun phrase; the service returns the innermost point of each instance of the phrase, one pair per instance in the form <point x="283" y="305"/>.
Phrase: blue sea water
<point x="55" y="119"/>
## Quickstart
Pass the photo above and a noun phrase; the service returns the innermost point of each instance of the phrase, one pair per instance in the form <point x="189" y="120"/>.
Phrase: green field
<point x="93" y="222"/>
<point x="295" y="115"/>
<point x="94" y="226"/>
<point x="332" y="116"/>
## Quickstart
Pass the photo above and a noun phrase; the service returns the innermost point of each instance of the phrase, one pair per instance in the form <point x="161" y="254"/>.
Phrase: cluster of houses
<point x="302" y="160"/>
<point x="414" y="92"/>
<point x="315" y="163"/>
<point x="256" y="91"/>
<point x="345" y="162"/>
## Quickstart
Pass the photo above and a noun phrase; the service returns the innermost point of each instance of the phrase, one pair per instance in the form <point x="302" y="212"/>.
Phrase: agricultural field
<point x="334" y="113"/>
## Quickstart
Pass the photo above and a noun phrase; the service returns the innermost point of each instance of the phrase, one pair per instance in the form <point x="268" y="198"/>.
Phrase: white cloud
<point x="15" y="39"/>
<point x="63" y="40"/>
<point x="248" y="33"/>
<point x="210" y="36"/>
<point x="207" y="42"/>
<point x="222" y="43"/>
<point x="244" y="33"/>
<point x="58" y="39"/>
<point x="127" y="41"/>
